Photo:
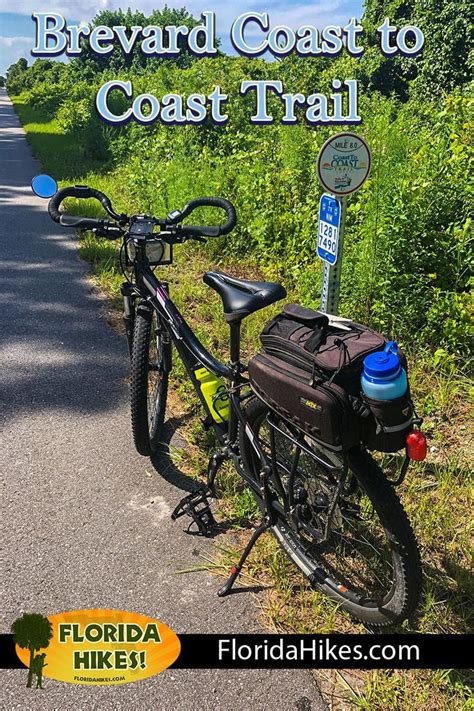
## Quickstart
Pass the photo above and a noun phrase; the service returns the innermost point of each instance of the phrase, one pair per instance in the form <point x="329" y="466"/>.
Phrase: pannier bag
<point x="323" y="412"/>
<point x="310" y="372"/>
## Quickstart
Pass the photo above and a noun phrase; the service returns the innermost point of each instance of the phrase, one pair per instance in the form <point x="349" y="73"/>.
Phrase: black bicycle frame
<point x="153" y="293"/>
<point x="195" y="355"/>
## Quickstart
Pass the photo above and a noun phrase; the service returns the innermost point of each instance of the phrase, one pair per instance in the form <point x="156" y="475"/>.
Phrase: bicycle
<point x="337" y="516"/>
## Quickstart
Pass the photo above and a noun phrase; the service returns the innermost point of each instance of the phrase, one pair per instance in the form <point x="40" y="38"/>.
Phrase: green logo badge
<point x="33" y="632"/>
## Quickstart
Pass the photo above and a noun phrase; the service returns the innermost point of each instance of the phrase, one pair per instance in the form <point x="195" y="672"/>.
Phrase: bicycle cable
<point x="122" y="266"/>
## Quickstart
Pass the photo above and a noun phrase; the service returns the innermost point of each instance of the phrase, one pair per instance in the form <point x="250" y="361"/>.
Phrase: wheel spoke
<point x="368" y="561"/>
<point x="357" y="550"/>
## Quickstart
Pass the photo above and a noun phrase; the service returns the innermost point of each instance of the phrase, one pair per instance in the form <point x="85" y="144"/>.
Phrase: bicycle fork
<point x="128" y="312"/>
<point x="129" y="308"/>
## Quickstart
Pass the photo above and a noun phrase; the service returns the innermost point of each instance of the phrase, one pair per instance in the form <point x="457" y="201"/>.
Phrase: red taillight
<point x="416" y="446"/>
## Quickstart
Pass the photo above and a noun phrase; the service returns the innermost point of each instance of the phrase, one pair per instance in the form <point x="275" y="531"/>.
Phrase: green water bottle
<point x="215" y="395"/>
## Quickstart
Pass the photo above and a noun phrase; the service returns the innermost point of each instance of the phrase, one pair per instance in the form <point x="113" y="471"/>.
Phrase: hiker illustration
<point x="33" y="632"/>
<point x="37" y="668"/>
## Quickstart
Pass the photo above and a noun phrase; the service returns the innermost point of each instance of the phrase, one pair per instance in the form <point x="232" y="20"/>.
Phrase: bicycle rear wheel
<point x="149" y="380"/>
<point x="370" y="563"/>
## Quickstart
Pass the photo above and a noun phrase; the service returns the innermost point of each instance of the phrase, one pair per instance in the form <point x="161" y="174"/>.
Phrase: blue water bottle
<point x="383" y="377"/>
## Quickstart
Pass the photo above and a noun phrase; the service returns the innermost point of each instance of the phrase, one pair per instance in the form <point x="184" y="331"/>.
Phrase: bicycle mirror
<point x="44" y="186"/>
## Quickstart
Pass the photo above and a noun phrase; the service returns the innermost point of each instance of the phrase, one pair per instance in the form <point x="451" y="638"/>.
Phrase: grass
<point x="437" y="494"/>
<point x="48" y="141"/>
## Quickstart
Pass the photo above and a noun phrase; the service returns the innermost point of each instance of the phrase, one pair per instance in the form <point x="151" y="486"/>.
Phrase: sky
<point x="17" y="29"/>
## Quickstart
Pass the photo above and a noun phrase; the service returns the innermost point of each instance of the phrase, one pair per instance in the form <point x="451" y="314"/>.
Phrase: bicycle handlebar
<point x="205" y="230"/>
<point x="81" y="192"/>
<point x="112" y="230"/>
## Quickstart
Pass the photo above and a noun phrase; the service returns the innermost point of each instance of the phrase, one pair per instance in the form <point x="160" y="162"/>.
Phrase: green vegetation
<point x="406" y="271"/>
<point x="447" y="60"/>
<point x="409" y="230"/>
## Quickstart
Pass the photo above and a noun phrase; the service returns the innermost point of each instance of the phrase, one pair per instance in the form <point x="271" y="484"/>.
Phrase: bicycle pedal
<point x="196" y="505"/>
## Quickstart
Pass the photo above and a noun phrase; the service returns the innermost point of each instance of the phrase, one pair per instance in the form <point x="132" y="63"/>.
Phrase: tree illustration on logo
<point x="33" y="632"/>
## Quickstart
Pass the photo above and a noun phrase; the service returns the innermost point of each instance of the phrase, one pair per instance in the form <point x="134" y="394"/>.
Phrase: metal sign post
<point x="332" y="272"/>
<point x="343" y="166"/>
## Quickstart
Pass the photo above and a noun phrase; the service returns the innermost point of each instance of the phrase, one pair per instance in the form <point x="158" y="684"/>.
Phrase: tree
<point x="2" y="81"/>
<point x="88" y="64"/>
<point x="445" y="61"/>
<point x="45" y="71"/>
<point x="15" y="76"/>
<point x="448" y="55"/>
<point x="22" y="64"/>
<point x="33" y="632"/>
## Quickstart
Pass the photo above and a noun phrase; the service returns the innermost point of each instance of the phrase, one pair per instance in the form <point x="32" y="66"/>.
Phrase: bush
<point x="47" y="98"/>
<point x="77" y="116"/>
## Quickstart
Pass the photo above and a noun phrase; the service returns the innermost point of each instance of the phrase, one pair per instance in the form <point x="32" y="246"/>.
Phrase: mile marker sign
<point x="344" y="163"/>
<point x="328" y="231"/>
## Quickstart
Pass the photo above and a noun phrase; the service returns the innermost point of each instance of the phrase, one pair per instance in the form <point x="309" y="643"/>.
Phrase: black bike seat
<point x="240" y="297"/>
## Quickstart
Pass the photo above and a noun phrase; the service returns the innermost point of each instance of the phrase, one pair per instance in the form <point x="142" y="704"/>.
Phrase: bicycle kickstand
<point x="235" y="570"/>
<point x="268" y="522"/>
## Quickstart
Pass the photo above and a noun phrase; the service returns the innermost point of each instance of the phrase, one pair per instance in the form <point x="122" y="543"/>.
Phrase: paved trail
<point x="86" y="521"/>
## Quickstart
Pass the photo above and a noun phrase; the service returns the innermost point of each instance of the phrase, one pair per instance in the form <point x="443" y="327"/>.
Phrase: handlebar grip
<point x="200" y="230"/>
<point x="80" y="192"/>
<point x="208" y="231"/>
<point x="86" y="223"/>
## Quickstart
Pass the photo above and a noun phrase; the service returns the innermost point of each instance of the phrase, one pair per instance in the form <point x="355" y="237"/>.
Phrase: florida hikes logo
<point x="32" y="633"/>
<point x="93" y="646"/>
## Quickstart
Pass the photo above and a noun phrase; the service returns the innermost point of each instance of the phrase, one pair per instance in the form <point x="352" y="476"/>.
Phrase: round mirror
<point x="44" y="186"/>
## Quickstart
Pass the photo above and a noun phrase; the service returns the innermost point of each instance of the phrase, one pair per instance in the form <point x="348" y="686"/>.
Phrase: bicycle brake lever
<point x="108" y="232"/>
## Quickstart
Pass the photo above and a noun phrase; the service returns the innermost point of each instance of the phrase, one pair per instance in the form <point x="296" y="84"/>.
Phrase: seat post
<point x="234" y="359"/>
<point x="235" y="341"/>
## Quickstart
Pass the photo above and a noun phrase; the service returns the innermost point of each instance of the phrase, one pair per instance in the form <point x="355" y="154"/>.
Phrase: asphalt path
<point x="85" y="520"/>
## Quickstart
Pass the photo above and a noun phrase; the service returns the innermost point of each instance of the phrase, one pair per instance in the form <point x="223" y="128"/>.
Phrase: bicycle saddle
<point x="240" y="297"/>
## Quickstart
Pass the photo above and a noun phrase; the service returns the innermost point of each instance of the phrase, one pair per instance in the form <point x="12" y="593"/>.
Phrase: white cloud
<point x="291" y="13"/>
<point x="15" y="41"/>
<point x="65" y="7"/>
<point x="11" y="49"/>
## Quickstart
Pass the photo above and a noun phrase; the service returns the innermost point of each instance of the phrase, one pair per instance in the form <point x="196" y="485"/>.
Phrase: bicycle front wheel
<point x="149" y="380"/>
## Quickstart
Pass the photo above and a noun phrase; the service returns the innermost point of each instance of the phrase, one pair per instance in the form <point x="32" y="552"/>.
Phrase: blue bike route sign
<point x="328" y="230"/>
